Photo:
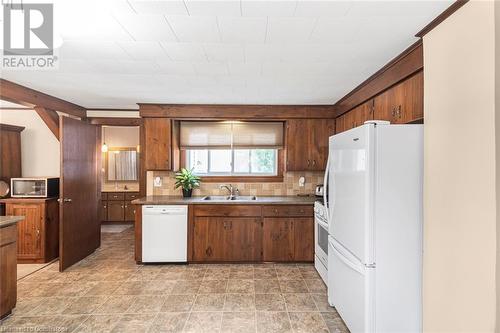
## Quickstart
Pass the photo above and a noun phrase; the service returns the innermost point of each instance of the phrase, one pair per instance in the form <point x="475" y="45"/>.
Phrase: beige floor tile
<point x="273" y="322"/>
<point x="238" y="322"/>
<point x="52" y="306"/>
<point x="269" y="302"/>
<point x="130" y="288"/>
<point x="134" y="323"/>
<point x="334" y="323"/>
<point x="308" y="322"/>
<point x="84" y="305"/>
<point x="157" y="287"/>
<point x="209" y="302"/>
<point x="265" y="273"/>
<point x="183" y="287"/>
<point x="115" y="304"/>
<point x="103" y="288"/>
<point x="293" y="286"/>
<point x="299" y="302"/>
<point x="316" y="286"/>
<point x="170" y="322"/>
<point x="198" y="322"/>
<point x="217" y="274"/>
<point x="267" y="286"/>
<point x="98" y="324"/>
<point x="178" y="303"/>
<point x="213" y="287"/>
<point x="146" y="304"/>
<point x="288" y="273"/>
<point x="68" y="323"/>
<point x="241" y="286"/>
<point x="239" y="302"/>
<point x="321" y="301"/>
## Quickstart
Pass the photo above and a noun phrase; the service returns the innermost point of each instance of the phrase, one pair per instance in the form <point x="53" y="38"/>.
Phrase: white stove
<point x="321" y="240"/>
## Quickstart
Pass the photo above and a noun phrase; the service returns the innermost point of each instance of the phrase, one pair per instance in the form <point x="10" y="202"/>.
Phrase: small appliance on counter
<point x="319" y="190"/>
<point x="36" y="187"/>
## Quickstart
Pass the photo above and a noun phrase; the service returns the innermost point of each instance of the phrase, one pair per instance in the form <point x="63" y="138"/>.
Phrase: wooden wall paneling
<point x="407" y="63"/>
<point x="50" y="118"/>
<point x="10" y="152"/>
<point x="19" y="94"/>
<point x="211" y="111"/>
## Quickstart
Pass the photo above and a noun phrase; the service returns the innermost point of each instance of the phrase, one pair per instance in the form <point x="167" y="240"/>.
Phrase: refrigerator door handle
<point x="325" y="188"/>
<point x="346" y="261"/>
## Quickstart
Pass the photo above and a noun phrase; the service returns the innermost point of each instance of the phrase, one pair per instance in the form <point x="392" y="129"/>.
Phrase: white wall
<point x="460" y="172"/>
<point x="39" y="147"/>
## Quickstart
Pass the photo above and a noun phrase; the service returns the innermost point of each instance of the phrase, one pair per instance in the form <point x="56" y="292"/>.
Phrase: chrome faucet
<point x="232" y="191"/>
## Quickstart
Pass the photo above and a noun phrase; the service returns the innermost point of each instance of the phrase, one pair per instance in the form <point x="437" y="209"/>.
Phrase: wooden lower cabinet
<point x="274" y="233"/>
<point x="8" y="270"/>
<point x="227" y="239"/>
<point x="116" y="206"/>
<point x="38" y="233"/>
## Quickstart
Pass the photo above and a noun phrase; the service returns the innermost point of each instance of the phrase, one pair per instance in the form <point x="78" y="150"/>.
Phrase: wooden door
<point x="30" y="230"/>
<point x="303" y="230"/>
<point x="319" y="132"/>
<point x="116" y="211"/>
<point x="297" y="155"/>
<point x="157" y="143"/>
<point x="129" y="211"/>
<point x="80" y="191"/>
<point x="242" y="240"/>
<point x="278" y="239"/>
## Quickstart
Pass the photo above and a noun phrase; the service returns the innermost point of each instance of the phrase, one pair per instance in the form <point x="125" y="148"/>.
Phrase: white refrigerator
<point x="375" y="176"/>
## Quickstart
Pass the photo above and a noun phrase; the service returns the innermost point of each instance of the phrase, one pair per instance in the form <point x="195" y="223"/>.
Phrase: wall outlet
<point x="157" y="182"/>
<point x="302" y="181"/>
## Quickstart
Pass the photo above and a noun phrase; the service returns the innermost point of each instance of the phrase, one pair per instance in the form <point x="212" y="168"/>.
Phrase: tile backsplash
<point x="289" y="186"/>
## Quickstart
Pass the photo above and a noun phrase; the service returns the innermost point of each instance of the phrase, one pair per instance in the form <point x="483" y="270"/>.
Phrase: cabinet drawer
<point x="131" y="196"/>
<point x="116" y="196"/>
<point x="288" y="210"/>
<point x="8" y="235"/>
<point x="104" y="196"/>
<point x="227" y="210"/>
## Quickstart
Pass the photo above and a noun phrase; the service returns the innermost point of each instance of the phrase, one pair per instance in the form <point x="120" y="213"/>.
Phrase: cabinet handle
<point x="38" y="233"/>
<point x="105" y="207"/>
<point x="208" y="251"/>
<point x="314" y="162"/>
<point x="275" y="211"/>
<point x="308" y="162"/>
<point x="398" y="112"/>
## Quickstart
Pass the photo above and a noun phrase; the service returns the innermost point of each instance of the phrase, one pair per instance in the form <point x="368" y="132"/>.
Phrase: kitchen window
<point x="232" y="148"/>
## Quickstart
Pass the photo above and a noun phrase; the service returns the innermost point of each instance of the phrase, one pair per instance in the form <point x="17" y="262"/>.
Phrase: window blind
<point x="226" y="134"/>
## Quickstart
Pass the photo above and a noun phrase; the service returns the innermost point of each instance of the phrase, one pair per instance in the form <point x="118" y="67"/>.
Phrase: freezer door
<point x="351" y="188"/>
<point x="350" y="288"/>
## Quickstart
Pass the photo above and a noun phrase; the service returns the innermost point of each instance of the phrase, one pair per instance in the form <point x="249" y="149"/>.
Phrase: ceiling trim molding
<point x="16" y="93"/>
<point x="405" y="64"/>
<point x="228" y="111"/>
<point x="441" y="17"/>
<point x="12" y="128"/>
<point x="111" y="121"/>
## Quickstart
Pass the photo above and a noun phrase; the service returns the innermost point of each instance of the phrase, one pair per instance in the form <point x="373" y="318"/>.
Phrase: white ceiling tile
<point x="268" y="8"/>
<point x="224" y="52"/>
<point x="125" y="67"/>
<point x="159" y="7"/>
<point x="376" y="8"/>
<point x="213" y="8"/>
<point x="91" y="50"/>
<point x="195" y="28"/>
<point x="176" y="68"/>
<point x="243" y="29"/>
<point x="211" y="68"/>
<point x="289" y="29"/>
<point x="144" y="50"/>
<point x="335" y="30"/>
<point x="185" y="51"/>
<point x="147" y="27"/>
<point x="313" y="8"/>
<point x="245" y="68"/>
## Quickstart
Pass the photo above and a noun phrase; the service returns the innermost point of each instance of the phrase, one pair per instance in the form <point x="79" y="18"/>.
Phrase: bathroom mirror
<point x="122" y="164"/>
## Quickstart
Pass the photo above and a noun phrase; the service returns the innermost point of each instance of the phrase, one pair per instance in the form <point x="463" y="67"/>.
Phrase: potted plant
<point x="187" y="180"/>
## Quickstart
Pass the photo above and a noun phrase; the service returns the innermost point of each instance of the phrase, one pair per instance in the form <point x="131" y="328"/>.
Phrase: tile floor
<point x="108" y="292"/>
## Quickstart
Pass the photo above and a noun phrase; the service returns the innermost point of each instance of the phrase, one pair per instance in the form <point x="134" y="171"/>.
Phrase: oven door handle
<point x="321" y="223"/>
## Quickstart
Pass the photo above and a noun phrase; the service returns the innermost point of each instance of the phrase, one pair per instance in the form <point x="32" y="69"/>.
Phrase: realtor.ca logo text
<point x="28" y="36"/>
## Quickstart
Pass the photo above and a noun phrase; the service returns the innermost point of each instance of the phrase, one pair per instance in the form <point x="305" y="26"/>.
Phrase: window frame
<point x="243" y="177"/>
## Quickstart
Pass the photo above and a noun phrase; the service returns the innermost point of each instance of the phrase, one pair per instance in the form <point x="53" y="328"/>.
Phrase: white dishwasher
<point x="164" y="233"/>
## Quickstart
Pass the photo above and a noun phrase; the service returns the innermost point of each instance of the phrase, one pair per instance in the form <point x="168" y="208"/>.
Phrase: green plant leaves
<point x="186" y="179"/>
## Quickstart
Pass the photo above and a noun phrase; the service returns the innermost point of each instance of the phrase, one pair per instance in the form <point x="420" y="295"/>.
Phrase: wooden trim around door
<point x="407" y="63"/>
<point x="235" y="112"/>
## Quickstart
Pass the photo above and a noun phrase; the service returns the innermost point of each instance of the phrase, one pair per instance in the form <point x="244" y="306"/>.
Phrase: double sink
<point x="230" y="198"/>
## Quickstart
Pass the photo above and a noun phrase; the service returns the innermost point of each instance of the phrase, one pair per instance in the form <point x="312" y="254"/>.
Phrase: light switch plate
<point x="302" y="181"/>
<point x="157" y="182"/>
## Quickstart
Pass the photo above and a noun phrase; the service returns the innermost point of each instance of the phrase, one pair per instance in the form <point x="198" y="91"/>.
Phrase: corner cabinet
<point x="307" y="143"/>
<point x="156" y="145"/>
<point x="38" y="232"/>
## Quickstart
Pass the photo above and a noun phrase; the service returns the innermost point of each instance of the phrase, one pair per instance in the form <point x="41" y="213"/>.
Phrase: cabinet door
<point x="104" y="211"/>
<point x="363" y="113"/>
<point x="129" y="211"/>
<point x="303" y="230"/>
<point x="319" y="132"/>
<point x="208" y="239"/>
<point x="278" y="239"/>
<point x="29" y="230"/>
<point x="8" y="278"/>
<point x="157" y="143"/>
<point x="116" y="211"/>
<point x="297" y="155"/>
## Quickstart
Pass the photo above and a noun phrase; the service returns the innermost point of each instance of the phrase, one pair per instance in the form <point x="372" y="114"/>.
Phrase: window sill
<point x="242" y="179"/>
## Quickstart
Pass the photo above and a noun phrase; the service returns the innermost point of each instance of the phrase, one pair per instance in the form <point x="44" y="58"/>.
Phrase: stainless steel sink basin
<point x="227" y="198"/>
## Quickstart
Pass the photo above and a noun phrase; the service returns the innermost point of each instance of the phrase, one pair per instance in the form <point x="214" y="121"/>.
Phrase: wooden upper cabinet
<point x="356" y="117"/>
<point x="307" y="143"/>
<point x="157" y="143"/>
<point x="402" y="103"/>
